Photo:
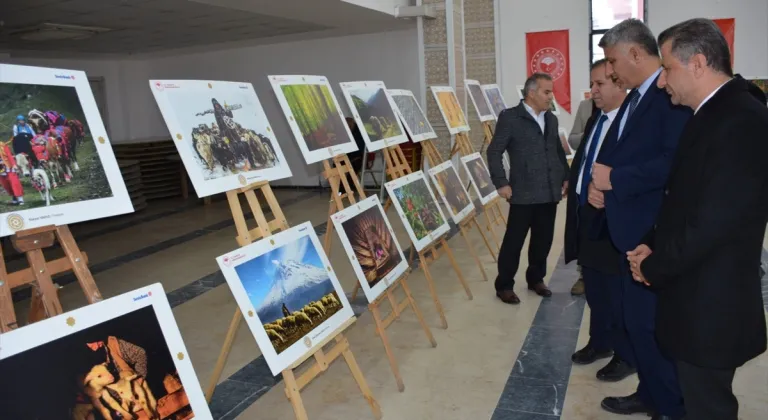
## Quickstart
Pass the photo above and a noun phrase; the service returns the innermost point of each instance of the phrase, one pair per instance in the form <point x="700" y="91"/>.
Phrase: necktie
<point x="635" y="98"/>
<point x="586" y="176"/>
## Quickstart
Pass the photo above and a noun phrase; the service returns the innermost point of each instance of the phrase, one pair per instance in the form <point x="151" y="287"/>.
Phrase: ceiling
<point x="151" y="26"/>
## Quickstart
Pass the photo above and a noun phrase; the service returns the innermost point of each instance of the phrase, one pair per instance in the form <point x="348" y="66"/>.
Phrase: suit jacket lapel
<point x="645" y="102"/>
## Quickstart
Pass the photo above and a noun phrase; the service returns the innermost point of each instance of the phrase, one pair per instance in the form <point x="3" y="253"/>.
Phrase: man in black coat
<point x="703" y="256"/>
<point x="601" y="262"/>
<point x="537" y="181"/>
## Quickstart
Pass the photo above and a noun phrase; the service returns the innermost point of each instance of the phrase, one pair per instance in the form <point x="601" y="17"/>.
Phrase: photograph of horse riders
<point x="47" y="153"/>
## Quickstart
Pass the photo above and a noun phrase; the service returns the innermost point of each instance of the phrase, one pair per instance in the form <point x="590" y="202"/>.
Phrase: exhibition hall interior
<point x="292" y="209"/>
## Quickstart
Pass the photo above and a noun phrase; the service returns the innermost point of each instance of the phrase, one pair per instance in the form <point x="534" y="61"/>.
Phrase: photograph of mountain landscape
<point x="291" y="290"/>
<point x="493" y="93"/>
<point x="376" y="113"/>
<point x="412" y="116"/>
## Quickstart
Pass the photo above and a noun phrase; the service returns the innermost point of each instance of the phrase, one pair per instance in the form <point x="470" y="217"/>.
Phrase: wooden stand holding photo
<point x="45" y="296"/>
<point x="336" y="176"/>
<point x="322" y="359"/>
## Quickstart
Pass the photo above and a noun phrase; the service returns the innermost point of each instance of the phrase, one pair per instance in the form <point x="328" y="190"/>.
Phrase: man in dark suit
<point x="628" y="181"/>
<point x="708" y="237"/>
<point x="601" y="263"/>
<point x="536" y="182"/>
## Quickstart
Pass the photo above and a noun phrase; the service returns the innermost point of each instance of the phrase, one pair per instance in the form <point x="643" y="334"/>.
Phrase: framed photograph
<point x="495" y="98"/>
<point x="221" y="133"/>
<point x="371" y="244"/>
<point x="482" y="106"/>
<point x="481" y="178"/>
<point x="452" y="191"/>
<point x="288" y="293"/>
<point x="374" y="109"/>
<point x="450" y="109"/>
<point x="553" y="106"/>
<point x="417" y="207"/>
<point x="119" y="358"/>
<point x="564" y="142"/>
<point x="314" y="116"/>
<point x="761" y="82"/>
<point x="412" y="115"/>
<point x="57" y="166"/>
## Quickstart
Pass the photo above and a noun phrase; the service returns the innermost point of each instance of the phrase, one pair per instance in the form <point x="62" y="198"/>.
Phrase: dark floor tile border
<point x="235" y="394"/>
<point x="64" y="279"/>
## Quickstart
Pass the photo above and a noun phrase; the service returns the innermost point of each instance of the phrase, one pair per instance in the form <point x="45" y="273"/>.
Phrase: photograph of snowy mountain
<point x="291" y="290"/>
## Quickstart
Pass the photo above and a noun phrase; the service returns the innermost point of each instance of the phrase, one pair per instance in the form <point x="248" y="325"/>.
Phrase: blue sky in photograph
<point x="258" y="274"/>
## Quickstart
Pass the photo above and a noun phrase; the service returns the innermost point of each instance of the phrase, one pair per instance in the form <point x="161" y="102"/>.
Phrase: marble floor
<point x="494" y="361"/>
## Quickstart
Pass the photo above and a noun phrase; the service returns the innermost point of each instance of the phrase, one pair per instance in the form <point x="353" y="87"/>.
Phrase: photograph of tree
<point x="314" y="109"/>
<point x="50" y="156"/>
<point x="452" y="190"/>
<point x="420" y="209"/>
<point x="480" y="176"/>
<point x="118" y="369"/>
<point x="413" y="118"/>
<point x="373" y="244"/>
<point x="376" y="113"/>
<point x="479" y="100"/>
<point x="451" y="109"/>
<point x="291" y="290"/>
<point x="497" y="101"/>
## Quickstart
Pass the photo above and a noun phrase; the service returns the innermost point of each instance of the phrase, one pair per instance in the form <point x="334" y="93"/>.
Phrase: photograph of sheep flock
<point x="420" y="209"/>
<point x="47" y="155"/>
<point x="373" y="243"/>
<point x="314" y="109"/>
<point x="451" y="189"/>
<point x="376" y="113"/>
<point x="291" y="291"/>
<point x="119" y="369"/>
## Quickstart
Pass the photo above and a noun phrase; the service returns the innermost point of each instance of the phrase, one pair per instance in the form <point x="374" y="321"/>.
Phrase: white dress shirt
<point x="709" y="97"/>
<point x="641" y="90"/>
<point x="539" y="118"/>
<point x="611" y="116"/>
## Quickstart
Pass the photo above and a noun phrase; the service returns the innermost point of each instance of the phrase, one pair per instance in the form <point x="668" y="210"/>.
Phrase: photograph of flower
<point x="286" y="283"/>
<point x="412" y="116"/>
<point x="495" y="98"/>
<point x="418" y="208"/>
<point x="484" y="112"/>
<point x="314" y="116"/>
<point x="480" y="177"/>
<point x="111" y="360"/>
<point x="452" y="191"/>
<point x="450" y="109"/>
<point x="221" y="132"/>
<point x="373" y="108"/>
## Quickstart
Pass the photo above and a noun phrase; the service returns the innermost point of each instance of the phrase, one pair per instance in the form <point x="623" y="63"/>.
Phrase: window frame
<point x="593" y="32"/>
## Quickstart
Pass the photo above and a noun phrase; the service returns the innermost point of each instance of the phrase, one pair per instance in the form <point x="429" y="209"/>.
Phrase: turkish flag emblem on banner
<point x="548" y="52"/>
<point x="728" y="28"/>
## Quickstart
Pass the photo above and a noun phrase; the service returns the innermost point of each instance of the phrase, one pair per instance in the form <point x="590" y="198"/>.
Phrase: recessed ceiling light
<point x="56" y="31"/>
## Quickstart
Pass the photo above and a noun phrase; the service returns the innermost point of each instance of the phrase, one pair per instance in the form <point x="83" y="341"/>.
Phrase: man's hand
<point x="636" y="258"/>
<point x="505" y="192"/>
<point x="601" y="176"/>
<point x="564" y="190"/>
<point x="595" y="197"/>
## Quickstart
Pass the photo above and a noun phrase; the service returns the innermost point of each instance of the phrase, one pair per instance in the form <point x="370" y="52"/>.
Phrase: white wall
<point x="384" y="6"/>
<point x="518" y="17"/>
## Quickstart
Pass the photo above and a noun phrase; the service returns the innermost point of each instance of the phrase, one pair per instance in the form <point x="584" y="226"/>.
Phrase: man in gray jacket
<point x="536" y="182"/>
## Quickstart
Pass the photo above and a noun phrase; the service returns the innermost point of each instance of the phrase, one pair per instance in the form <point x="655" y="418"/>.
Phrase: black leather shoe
<point x="615" y="370"/>
<point x="540" y="289"/>
<point x="588" y="355"/>
<point x="625" y="405"/>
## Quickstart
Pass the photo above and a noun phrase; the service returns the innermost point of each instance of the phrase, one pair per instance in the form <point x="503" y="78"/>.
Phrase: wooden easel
<point x="45" y="300"/>
<point x="336" y="176"/>
<point x="293" y="383"/>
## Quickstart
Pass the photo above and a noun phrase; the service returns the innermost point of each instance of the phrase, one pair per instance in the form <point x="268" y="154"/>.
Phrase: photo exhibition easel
<point x="397" y="167"/>
<point x="293" y="383"/>
<point x="492" y="209"/>
<point x="337" y="176"/>
<point x="45" y="299"/>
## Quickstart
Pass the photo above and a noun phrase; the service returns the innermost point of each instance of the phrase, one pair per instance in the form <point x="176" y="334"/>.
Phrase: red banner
<point x="548" y="52"/>
<point x="728" y="28"/>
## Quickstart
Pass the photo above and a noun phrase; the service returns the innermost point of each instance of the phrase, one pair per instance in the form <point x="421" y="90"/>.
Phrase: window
<point x="605" y="14"/>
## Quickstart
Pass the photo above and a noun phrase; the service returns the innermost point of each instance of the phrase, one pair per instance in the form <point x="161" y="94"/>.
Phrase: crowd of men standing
<point x="667" y="204"/>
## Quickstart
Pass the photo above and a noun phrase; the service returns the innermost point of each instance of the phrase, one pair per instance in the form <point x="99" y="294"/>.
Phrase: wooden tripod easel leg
<point x="382" y="333"/>
<point x="417" y="311"/>
<point x="294" y="396"/>
<point x="359" y="378"/>
<point x="456" y="268"/>
<point x="224" y="354"/>
<point x="485" y="238"/>
<point x="432" y="291"/>
<point x="489" y="228"/>
<point x="463" y="231"/>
